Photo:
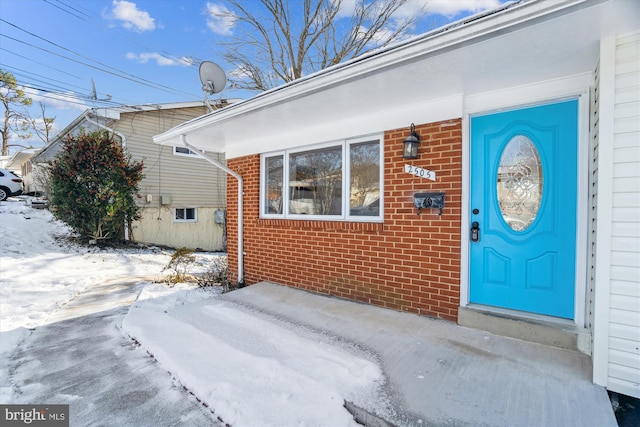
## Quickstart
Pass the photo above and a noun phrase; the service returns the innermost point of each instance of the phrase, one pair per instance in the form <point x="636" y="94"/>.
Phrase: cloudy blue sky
<point x="136" y="52"/>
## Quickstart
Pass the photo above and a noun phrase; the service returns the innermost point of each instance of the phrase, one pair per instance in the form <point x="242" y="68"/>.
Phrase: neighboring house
<point x="182" y="199"/>
<point x="19" y="163"/>
<point x="16" y="162"/>
<point x="529" y="122"/>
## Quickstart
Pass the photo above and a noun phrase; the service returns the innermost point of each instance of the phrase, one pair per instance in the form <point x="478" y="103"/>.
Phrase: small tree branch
<point x="284" y="40"/>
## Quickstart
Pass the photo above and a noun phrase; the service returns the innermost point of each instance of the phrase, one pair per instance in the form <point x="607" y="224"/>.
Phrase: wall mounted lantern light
<point x="410" y="144"/>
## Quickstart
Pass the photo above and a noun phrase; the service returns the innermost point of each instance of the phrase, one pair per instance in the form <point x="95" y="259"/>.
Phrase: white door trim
<point x="576" y="86"/>
<point x="606" y="132"/>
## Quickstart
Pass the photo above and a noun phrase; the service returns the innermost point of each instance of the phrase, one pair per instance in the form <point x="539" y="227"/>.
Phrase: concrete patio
<point x="442" y="374"/>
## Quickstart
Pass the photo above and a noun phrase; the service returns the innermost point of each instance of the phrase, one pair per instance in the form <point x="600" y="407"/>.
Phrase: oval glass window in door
<point x="520" y="183"/>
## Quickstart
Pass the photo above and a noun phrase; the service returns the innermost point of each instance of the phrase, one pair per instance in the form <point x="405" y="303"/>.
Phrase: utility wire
<point x="74" y="97"/>
<point x="115" y="71"/>
<point x="25" y="81"/>
<point x="75" y="15"/>
<point x="86" y="11"/>
<point x="126" y="36"/>
<point x="117" y="74"/>
<point x="34" y="76"/>
<point x="71" y="96"/>
<point x="41" y="63"/>
<point x="66" y="11"/>
<point x="28" y="74"/>
<point x="67" y="97"/>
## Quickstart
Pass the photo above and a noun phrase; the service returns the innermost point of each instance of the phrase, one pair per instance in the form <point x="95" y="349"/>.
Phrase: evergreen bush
<point x="94" y="183"/>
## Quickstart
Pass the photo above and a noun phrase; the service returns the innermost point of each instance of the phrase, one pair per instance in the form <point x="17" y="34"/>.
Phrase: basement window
<point x="183" y="151"/>
<point x="185" y="215"/>
<point x="335" y="181"/>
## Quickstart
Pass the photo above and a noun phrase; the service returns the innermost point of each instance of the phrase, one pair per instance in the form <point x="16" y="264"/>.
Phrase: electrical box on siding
<point x="165" y="199"/>
<point x="218" y="217"/>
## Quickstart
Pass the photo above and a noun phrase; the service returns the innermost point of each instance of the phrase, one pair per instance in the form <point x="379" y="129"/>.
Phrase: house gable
<point x="171" y="184"/>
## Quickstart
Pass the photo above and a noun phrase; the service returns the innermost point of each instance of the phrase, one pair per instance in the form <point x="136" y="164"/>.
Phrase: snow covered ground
<point x="251" y="369"/>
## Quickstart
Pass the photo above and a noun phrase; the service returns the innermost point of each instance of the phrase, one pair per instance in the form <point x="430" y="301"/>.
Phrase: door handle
<point x="475" y="231"/>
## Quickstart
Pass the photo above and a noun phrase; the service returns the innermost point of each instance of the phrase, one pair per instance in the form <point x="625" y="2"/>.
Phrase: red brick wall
<point x="409" y="262"/>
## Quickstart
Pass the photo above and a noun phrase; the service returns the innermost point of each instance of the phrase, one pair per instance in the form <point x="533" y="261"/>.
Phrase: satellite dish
<point x="212" y="77"/>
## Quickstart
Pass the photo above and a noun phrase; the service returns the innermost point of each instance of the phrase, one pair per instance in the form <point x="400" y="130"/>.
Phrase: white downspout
<point x="195" y="150"/>
<point x="124" y="145"/>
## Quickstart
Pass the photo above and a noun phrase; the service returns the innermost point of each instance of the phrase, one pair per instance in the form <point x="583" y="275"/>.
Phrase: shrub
<point x="94" y="184"/>
<point x="179" y="264"/>
<point x="217" y="275"/>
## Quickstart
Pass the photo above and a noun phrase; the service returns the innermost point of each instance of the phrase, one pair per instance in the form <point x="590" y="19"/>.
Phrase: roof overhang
<point x="115" y="112"/>
<point x="426" y="77"/>
<point x="18" y="158"/>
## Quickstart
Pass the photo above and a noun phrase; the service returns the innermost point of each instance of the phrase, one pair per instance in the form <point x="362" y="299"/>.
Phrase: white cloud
<point x="132" y="18"/>
<point x="220" y="20"/>
<point x="57" y="101"/>
<point x="187" y="61"/>
<point x="161" y="60"/>
<point x="347" y="8"/>
<point x="238" y="73"/>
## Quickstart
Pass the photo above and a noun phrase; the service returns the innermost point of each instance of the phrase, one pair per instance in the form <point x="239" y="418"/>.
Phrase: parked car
<point x="10" y="184"/>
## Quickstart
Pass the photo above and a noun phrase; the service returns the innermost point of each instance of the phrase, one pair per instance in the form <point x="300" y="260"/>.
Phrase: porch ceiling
<point x="530" y="42"/>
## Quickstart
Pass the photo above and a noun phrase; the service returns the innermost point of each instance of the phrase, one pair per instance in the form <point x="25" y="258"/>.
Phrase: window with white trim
<point x="185" y="215"/>
<point x="335" y="181"/>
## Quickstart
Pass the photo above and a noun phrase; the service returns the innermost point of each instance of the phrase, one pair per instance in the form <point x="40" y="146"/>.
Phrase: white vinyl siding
<point x="173" y="181"/>
<point x="622" y="237"/>
<point x="188" y="180"/>
<point x="593" y="197"/>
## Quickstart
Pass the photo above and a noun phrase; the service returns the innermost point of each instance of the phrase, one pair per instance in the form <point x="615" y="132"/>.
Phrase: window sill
<point x="322" y="225"/>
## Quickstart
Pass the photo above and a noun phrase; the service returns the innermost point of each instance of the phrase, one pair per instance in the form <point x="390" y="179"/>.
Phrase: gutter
<point x="183" y="140"/>
<point x="477" y="28"/>
<point x="124" y="145"/>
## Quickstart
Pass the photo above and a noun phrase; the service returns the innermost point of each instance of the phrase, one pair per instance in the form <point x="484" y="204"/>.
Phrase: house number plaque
<point x="422" y="173"/>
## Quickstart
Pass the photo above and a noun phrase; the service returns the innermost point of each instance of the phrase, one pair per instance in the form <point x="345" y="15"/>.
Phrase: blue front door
<point x="523" y="209"/>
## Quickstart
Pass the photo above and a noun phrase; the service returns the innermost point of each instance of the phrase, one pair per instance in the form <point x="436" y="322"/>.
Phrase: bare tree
<point x="16" y="117"/>
<point x="42" y="125"/>
<point x="283" y="40"/>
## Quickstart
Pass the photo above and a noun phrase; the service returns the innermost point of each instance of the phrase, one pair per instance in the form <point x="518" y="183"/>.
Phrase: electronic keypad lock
<point x="428" y="201"/>
<point x="475" y="231"/>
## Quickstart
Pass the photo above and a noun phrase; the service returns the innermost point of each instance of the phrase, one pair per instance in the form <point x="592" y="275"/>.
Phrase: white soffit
<point x="530" y="42"/>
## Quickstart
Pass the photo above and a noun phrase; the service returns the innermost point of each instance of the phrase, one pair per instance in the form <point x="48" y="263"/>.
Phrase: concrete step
<point x="545" y="330"/>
